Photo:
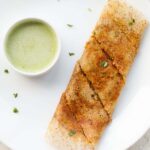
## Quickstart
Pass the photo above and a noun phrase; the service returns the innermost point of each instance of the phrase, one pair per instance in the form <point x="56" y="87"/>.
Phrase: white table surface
<point x="143" y="143"/>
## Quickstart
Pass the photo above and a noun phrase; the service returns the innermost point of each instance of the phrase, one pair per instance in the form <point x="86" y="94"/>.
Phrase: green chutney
<point x="31" y="45"/>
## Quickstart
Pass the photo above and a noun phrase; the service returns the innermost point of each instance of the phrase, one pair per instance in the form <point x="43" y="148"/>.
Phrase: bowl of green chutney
<point x="32" y="46"/>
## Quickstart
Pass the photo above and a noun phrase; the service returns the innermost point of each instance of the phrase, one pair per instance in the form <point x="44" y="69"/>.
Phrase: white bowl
<point x="44" y="70"/>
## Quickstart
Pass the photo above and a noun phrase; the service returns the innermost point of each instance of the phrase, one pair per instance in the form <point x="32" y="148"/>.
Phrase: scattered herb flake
<point x="89" y="9"/>
<point x="15" y="95"/>
<point x="15" y="110"/>
<point x="132" y="21"/>
<point x="104" y="64"/>
<point x="71" y="54"/>
<point x="70" y="25"/>
<point x="72" y="133"/>
<point x="6" y="71"/>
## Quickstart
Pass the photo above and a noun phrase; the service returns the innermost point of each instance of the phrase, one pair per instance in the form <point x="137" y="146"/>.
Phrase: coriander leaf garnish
<point x="15" y="110"/>
<point x="6" y="71"/>
<point x="70" y="25"/>
<point x="104" y="64"/>
<point x="15" y="95"/>
<point x="132" y="21"/>
<point x="72" y="133"/>
<point x="71" y="54"/>
<point x="89" y="9"/>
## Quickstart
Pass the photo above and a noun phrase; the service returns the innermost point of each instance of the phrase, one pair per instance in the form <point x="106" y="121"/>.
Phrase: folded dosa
<point x="87" y="104"/>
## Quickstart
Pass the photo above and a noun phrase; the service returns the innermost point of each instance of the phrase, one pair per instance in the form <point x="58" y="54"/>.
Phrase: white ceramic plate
<point x="38" y="97"/>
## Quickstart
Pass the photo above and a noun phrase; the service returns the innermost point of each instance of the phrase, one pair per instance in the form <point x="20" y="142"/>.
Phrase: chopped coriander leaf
<point x="15" y="95"/>
<point x="72" y="133"/>
<point x="104" y="64"/>
<point x="132" y="21"/>
<point x="71" y="54"/>
<point x="89" y="9"/>
<point x="70" y="25"/>
<point x="6" y="71"/>
<point x="15" y="110"/>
